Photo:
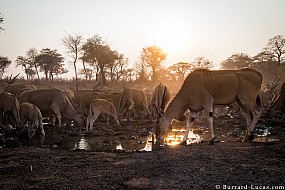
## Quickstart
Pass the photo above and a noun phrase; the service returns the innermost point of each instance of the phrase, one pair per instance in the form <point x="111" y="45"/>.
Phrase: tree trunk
<point x="153" y="75"/>
<point x="75" y="69"/>
<point x="84" y="69"/>
<point x="26" y="71"/>
<point x="37" y="72"/>
<point x="46" y="73"/>
<point x="76" y="78"/>
<point x="103" y="74"/>
<point x="111" y="72"/>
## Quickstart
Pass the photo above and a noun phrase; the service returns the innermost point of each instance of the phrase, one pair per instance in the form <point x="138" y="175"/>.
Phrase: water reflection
<point x="114" y="143"/>
<point x="82" y="144"/>
<point x="175" y="137"/>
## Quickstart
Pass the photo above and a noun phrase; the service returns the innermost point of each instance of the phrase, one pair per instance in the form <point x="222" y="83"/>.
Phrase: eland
<point x="159" y="99"/>
<point x="133" y="101"/>
<point x="100" y="106"/>
<point x="202" y="89"/>
<point x="32" y="119"/>
<point x="51" y="100"/>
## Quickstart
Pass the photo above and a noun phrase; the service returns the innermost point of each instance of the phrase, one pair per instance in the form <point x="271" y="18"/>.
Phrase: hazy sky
<point x="185" y="29"/>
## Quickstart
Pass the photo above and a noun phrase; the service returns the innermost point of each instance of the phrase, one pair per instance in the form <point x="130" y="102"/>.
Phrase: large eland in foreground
<point x="204" y="88"/>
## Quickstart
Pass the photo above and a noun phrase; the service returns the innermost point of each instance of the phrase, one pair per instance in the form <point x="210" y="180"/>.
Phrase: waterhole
<point x="109" y="143"/>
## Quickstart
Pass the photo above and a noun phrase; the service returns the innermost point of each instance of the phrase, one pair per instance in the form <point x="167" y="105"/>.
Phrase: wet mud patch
<point x="137" y="135"/>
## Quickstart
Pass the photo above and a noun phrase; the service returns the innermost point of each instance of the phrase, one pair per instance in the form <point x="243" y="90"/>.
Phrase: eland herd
<point x="23" y="106"/>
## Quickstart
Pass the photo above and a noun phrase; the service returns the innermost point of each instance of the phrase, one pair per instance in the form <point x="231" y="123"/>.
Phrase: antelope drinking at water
<point x="204" y="88"/>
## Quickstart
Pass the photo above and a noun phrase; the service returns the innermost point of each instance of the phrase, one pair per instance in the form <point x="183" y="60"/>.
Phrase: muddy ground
<point x="227" y="164"/>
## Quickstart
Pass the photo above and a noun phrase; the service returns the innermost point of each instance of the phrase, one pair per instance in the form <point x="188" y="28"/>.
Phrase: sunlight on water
<point x="149" y="143"/>
<point x="113" y="143"/>
<point x="83" y="144"/>
<point x="119" y="147"/>
<point x="176" y="136"/>
<point x="193" y="138"/>
<point x="150" y="140"/>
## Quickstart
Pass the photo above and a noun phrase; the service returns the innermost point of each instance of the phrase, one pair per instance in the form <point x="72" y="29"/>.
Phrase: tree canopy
<point x="99" y="59"/>
<point x="99" y="55"/>
<point x="180" y="69"/>
<point x="153" y="56"/>
<point x="237" y="61"/>
<point x="50" y="62"/>
<point x="4" y="64"/>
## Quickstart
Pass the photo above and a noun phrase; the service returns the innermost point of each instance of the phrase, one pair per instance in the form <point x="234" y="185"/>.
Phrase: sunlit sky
<point x="184" y="29"/>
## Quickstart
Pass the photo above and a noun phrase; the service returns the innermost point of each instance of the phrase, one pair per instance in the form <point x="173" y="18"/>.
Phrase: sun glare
<point x="173" y="37"/>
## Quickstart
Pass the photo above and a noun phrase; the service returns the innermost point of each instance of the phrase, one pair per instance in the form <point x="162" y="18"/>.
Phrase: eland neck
<point x="178" y="104"/>
<point x="70" y="110"/>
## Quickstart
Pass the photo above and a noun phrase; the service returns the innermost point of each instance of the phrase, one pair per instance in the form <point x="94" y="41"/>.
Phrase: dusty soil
<point x="227" y="164"/>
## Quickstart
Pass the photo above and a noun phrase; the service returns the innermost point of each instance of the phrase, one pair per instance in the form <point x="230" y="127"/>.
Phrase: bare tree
<point x="153" y="56"/>
<point x="74" y="47"/>
<point x="276" y="48"/>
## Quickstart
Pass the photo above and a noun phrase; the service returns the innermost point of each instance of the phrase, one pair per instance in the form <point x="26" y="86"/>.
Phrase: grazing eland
<point x="159" y="99"/>
<point x="204" y="88"/>
<point x="133" y="100"/>
<point x="99" y="106"/>
<point x="32" y="118"/>
<point x="18" y="88"/>
<point x="51" y="100"/>
<point x="9" y="104"/>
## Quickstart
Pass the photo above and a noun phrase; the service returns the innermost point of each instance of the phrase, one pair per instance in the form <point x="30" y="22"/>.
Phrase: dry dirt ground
<point x="228" y="164"/>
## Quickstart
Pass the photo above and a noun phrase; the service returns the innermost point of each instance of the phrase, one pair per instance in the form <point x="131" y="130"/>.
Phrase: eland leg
<point x="87" y="123"/>
<point x="43" y="134"/>
<point x="115" y="116"/>
<point x="210" y="118"/>
<point x="108" y="119"/>
<point x="208" y="108"/>
<point x="251" y="112"/>
<point x="56" y="110"/>
<point x="90" y="122"/>
<point x="93" y="119"/>
<point x="191" y="118"/>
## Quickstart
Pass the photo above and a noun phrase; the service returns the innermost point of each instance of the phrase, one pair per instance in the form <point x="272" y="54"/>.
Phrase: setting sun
<point x="172" y="36"/>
